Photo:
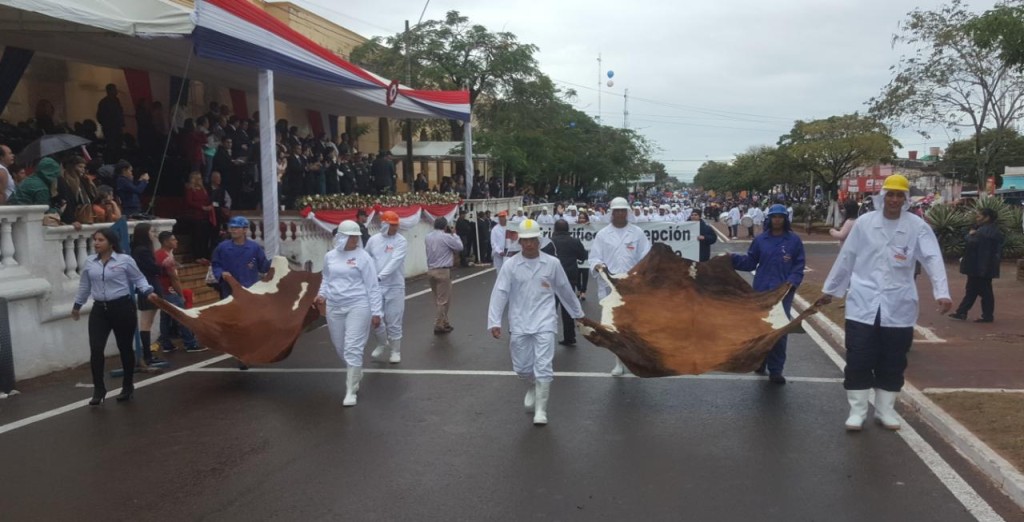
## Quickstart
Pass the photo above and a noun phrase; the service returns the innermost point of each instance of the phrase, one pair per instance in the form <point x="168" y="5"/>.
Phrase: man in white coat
<point x="388" y="250"/>
<point x="499" y="246"/>
<point x="734" y="221"/>
<point x="617" y="249"/>
<point x="528" y="285"/>
<point x="875" y="272"/>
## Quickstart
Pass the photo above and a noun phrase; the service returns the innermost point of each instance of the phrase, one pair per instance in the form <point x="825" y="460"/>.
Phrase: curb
<point x="1005" y="476"/>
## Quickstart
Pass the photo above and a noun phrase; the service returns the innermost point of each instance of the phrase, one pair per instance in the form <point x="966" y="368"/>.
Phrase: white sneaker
<point x="542" y="391"/>
<point x="352" y="378"/>
<point x="885" y="409"/>
<point x="858" y="400"/>
<point x="396" y="352"/>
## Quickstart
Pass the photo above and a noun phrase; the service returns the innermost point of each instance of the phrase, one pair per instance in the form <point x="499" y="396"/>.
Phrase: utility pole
<point x="625" y="110"/>
<point x="407" y="172"/>
<point x="599" y="81"/>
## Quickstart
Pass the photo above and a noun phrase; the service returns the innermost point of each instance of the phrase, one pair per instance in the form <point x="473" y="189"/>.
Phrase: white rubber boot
<point x="531" y="396"/>
<point x="396" y="351"/>
<point x="542" y="390"/>
<point x="619" y="369"/>
<point x="352" y="378"/>
<point x="858" y="400"/>
<point x="885" y="409"/>
<point x="382" y="345"/>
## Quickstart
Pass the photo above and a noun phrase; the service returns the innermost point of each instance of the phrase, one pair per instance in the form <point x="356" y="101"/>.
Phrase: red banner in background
<point x="138" y="86"/>
<point x="316" y="122"/>
<point x="239" y="104"/>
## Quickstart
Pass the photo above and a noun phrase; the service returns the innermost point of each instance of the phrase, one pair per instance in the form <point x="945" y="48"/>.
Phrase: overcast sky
<point x="706" y="79"/>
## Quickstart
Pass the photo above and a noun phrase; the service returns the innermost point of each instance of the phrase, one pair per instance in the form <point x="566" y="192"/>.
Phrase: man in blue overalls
<point x="777" y="255"/>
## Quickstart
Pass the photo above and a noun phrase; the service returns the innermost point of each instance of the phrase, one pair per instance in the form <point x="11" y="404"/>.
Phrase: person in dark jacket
<point x="707" y="236"/>
<point x="465" y="230"/>
<point x="142" y="253"/>
<point x="777" y="256"/>
<point x="129" y="190"/>
<point x="570" y="252"/>
<point x="383" y="172"/>
<point x="980" y="264"/>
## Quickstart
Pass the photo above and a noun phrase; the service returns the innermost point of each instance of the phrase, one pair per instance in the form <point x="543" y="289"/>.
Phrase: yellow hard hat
<point x="529" y="229"/>
<point x="896" y="182"/>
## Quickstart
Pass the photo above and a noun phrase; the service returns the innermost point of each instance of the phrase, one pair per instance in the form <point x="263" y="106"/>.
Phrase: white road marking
<point x="504" y="373"/>
<point x="929" y="336"/>
<point x="928" y="391"/>
<point x="162" y="377"/>
<point x="956" y="485"/>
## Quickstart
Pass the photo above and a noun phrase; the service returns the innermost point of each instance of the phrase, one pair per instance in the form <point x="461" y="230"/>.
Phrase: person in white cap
<point x="527" y="285"/>
<point x="570" y="214"/>
<point x="388" y="250"/>
<point x="518" y="218"/>
<point x="350" y="299"/>
<point x="875" y="272"/>
<point x="499" y="248"/>
<point x="545" y="218"/>
<point x="616" y="249"/>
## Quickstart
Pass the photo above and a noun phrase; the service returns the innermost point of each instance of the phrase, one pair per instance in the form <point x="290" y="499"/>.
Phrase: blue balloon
<point x="611" y="74"/>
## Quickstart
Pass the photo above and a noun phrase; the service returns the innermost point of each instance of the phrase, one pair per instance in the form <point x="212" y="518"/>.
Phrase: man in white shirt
<point x="499" y="247"/>
<point x="757" y="215"/>
<point x="7" y="184"/>
<point x="442" y="244"/>
<point x="734" y="222"/>
<point x="875" y="272"/>
<point x="528" y="285"/>
<point x="570" y="215"/>
<point x="518" y="218"/>
<point x="388" y="250"/>
<point x="544" y="218"/>
<point x="616" y="249"/>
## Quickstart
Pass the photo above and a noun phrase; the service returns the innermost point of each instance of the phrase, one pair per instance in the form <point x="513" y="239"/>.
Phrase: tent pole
<point x="469" y="158"/>
<point x="268" y="165"/>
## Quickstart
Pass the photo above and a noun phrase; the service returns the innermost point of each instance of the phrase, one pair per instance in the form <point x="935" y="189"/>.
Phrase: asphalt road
<point x="443" y="436"/>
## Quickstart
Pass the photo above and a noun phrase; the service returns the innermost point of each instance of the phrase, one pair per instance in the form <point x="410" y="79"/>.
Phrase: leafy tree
<point x="1002" y="29"/>
<point x="714" y="175"/>
<point x="833" y="147"/>
<point x="452" y="54"/>
<point x="961" y="160"/>
<point x="951" y="81"/>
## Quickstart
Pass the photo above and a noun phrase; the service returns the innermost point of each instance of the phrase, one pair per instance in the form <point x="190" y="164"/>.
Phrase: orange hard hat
<point x="503" y="213"/>
<point x="389" y="217"/>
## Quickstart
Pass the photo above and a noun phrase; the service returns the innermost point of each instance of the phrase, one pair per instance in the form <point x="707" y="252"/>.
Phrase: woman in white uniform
<point x="350" y="299"/>
<point x="388" y="250"/>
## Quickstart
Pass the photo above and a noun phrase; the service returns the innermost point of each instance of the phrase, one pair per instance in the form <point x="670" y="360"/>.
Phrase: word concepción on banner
<point x="681" y="237"/>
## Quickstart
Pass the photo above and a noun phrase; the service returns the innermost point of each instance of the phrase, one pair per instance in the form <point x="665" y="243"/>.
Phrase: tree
<point x="961" y="159"/>
<point x="833" y="147"/>
<point x="951" y="81"/>
<point x="1002" y="29"/>
<point x="714" y="175"/>
<point x="451" y="54"/>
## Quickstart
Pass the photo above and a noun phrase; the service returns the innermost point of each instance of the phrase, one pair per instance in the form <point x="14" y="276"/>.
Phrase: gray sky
<point x="706" y="80"/>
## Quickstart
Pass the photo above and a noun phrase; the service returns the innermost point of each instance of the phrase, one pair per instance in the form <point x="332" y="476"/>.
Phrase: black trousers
<point x="876" y="355"/>
<point x="568" y="323"/>
<point x="584" y="278"/>
<point x="117" y="315"/>
<point x="979" y="287"/>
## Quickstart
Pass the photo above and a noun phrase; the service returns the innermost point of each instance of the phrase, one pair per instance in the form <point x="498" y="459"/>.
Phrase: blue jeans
<point x="776" y="359"/>
<point x="166" y="321"/>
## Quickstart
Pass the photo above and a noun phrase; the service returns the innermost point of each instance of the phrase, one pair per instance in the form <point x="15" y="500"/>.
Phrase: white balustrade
<point x="81" y="252"/>
<point x="70" y="263"/>
<point x="7" y="249"/>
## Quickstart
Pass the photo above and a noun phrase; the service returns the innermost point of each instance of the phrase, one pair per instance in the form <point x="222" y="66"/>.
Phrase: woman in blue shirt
<point x="106" y="278"/>
<point x="777" y="254"/>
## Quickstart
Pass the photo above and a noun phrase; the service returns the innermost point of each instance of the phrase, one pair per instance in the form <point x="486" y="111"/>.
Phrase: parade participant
<point x="734" y="222"/>
<point x="241" y="257"/>
<point x="528" y="285"/>
<point x="617" y="249"/>
<point x="388" y="249"/>
<point x="758" y="216"/>
<point x="980" y="264"/>
<point x="777" y="256"/>
<point x="170" y="285"/>
<point x="545" y="218"/>
<point x="637" y="216"/>
<point x="498" y="240"/>
<point x="570" y="253"/>
<point x="142" y="252"/>
<point x="350" y="299"/>
<point x="706" y="236"/>
<point x="106" y="278"/>
<point x="570" y="214"/>
<point x="518" y="218"/>
<point x="442" y="244"/>
<point x="875" y="272"/>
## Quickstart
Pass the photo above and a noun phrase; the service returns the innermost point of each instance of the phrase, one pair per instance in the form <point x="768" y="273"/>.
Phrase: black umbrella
<point x="50" y="144"/>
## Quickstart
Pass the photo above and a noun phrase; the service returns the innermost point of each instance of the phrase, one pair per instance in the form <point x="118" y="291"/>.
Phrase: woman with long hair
<point x="72" y="186"/>
<point x="850" y="211"/>
<point x="198" y="211"/>
<point x="142" y="253"/>
<point x="106" y="278"/>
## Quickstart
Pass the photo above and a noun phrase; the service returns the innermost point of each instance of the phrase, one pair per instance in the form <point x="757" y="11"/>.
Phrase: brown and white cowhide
<point x="259" y="324"/>
<point x="673" y="316"/>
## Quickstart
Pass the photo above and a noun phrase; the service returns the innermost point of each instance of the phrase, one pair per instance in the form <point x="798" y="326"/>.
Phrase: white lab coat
<point x="388" y="253"/>
<point x="528" y="288"/>
<point x="876" y="273"/>
<point x="498" y="245"/>
<point x="546" y="219"/>
<point x="734" y="216"/>
<point x="620" y="249"/>
<point x="349" y="283"/>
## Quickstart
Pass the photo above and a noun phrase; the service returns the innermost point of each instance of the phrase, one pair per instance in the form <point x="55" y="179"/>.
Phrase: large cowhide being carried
<point x="673" y="316"/>
<point x="259" y="324"/>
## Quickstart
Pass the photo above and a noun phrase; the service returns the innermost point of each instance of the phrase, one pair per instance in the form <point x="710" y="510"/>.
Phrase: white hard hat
<point x="349" y="228"/>
<point x="675" y="208"/>
<point x="619" y="204"/>
<point x="571" y="207"/>
<point x="528" y="228"/>
<point x="663" y="207"/>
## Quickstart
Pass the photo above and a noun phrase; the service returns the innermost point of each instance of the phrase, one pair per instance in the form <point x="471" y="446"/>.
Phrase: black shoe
<point x="242" y="366"/>
<point x="97" y="398"/>
<point x="983" y="320"/>
<point x="568" y="342"/>
<point x="195" y="349"/>
<point x="125" y="395"/>
<point x="168" y="349"/>
<point x="776" y="378"/>
<point x="959" y="316"/>
<point x="761" y="370"/>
